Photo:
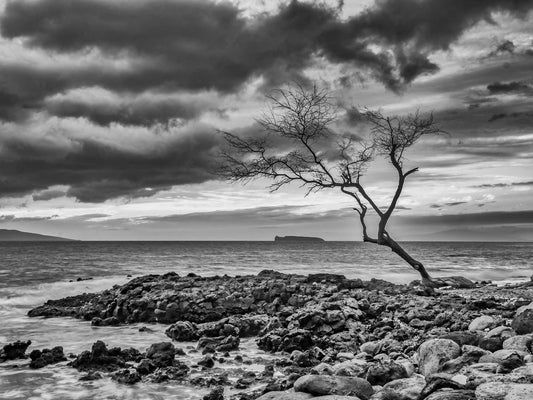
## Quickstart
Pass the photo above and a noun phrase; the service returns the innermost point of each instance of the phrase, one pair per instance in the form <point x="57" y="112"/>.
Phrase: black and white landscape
<point x="249" y="199"/>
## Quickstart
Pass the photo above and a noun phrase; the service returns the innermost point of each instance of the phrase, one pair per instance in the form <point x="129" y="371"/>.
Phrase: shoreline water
<point x="52" y="263"/>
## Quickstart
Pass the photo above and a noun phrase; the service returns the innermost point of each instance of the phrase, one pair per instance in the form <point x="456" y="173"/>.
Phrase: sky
<point x="111" y="111"/>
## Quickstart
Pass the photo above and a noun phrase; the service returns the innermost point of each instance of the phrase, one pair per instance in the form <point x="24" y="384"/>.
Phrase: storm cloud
<point x="138" y="163"/>
<point x="107" y="101"/>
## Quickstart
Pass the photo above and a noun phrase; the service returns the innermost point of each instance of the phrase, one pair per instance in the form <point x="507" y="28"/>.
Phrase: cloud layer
<point x="111" y="98"/>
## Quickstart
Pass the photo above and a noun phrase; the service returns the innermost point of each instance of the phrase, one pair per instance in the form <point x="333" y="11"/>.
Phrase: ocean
<point x="31" y="273"/>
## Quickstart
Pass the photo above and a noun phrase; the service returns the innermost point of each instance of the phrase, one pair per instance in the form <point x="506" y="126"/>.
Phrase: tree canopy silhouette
<point x="298" y="146"/>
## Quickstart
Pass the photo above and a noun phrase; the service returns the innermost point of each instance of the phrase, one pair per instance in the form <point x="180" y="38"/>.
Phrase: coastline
<point x="318" y="324"/>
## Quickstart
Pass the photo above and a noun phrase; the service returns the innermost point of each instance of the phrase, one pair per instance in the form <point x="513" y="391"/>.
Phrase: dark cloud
<point x="506" y="46"/>
<point x="97" y="169"/>
<point x="142" y="110"/>
<point x="45" y="195"/>
<point x="474" y="219"/>
<point x="449" y="204"/>
<point x="198" y="45"/>
<point x="496" y="117"/>
<point x="510" y="87"/>
<point x="497" y="185"/>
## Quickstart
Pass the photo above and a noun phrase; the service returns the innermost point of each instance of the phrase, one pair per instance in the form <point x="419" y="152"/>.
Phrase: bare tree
<point x="298" y="146"/>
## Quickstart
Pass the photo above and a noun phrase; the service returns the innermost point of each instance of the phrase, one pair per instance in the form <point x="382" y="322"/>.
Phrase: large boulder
<point x="321" y="385"/>
<point x="434" y="353"/>
<point x="523" y="320"/>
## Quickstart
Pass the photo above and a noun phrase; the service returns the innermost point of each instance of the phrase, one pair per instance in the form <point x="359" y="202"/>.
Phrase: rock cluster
<point x="334" y="338"/>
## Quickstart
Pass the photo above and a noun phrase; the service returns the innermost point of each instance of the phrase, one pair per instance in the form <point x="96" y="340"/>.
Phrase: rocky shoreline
<point x="330" y="337"/>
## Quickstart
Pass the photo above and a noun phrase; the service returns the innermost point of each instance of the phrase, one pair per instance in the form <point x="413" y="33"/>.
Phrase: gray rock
<point x="481" y="323"/>
<point x="409" y="388"/>
<point x="520" y="392"/>
<point x="452" y="395"/>
<point x="503" y="332"/>
<point x="353" y="367"/>
<point x="520" y="342"/>
<point x="434" y="353"/>
<point x="285" y="395"/>
<point x="523" y="322"/>
<point x="492" y="391"/>
<point x="384" y="372"/>
<point x="321" y="385"/>
<point x="183" y="331"/>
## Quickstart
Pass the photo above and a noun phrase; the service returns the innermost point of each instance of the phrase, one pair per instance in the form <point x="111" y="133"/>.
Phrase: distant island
<point x="12" y="235"/>
<point x="298" y="239"/>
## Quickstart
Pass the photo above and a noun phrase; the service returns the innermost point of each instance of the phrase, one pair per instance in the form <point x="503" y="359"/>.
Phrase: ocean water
<point x="31" y="273"/>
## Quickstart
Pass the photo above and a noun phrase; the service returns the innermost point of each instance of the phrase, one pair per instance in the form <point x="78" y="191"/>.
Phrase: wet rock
<point x="102" y="359"/>
<point x="221" y="343"/>
<point x="91" y="376"/>
<point x="13" y="351"/>
<point x="176" y="372"/>
<point x="207" y="362"/>
<point x="215" y="394"/>
<point x="145" y="367"/>
<point x="111" y="321"/>
<point x="434" y="353"/>
<point x="126" y="376"/>
<point x="41" y="358"/>
<point x="183" y="331"/>
<point x="321" y="385"/>
<point x="286" y="340"/>
<point x="161" y="354"/>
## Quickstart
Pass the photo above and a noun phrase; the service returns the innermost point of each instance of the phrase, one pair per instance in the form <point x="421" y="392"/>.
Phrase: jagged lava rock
<point x="12" y="351"/>
<point x="161" y="354"/>
<point x="41" y="358"/>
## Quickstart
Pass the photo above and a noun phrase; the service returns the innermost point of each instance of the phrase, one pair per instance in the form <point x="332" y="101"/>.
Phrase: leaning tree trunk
<point x="417" y="265"/>
<point x="386" y="240"/>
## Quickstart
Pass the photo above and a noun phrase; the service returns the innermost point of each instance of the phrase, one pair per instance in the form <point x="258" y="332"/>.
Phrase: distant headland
<point x="12" y="235"/>
<point x="298" y="239"/>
